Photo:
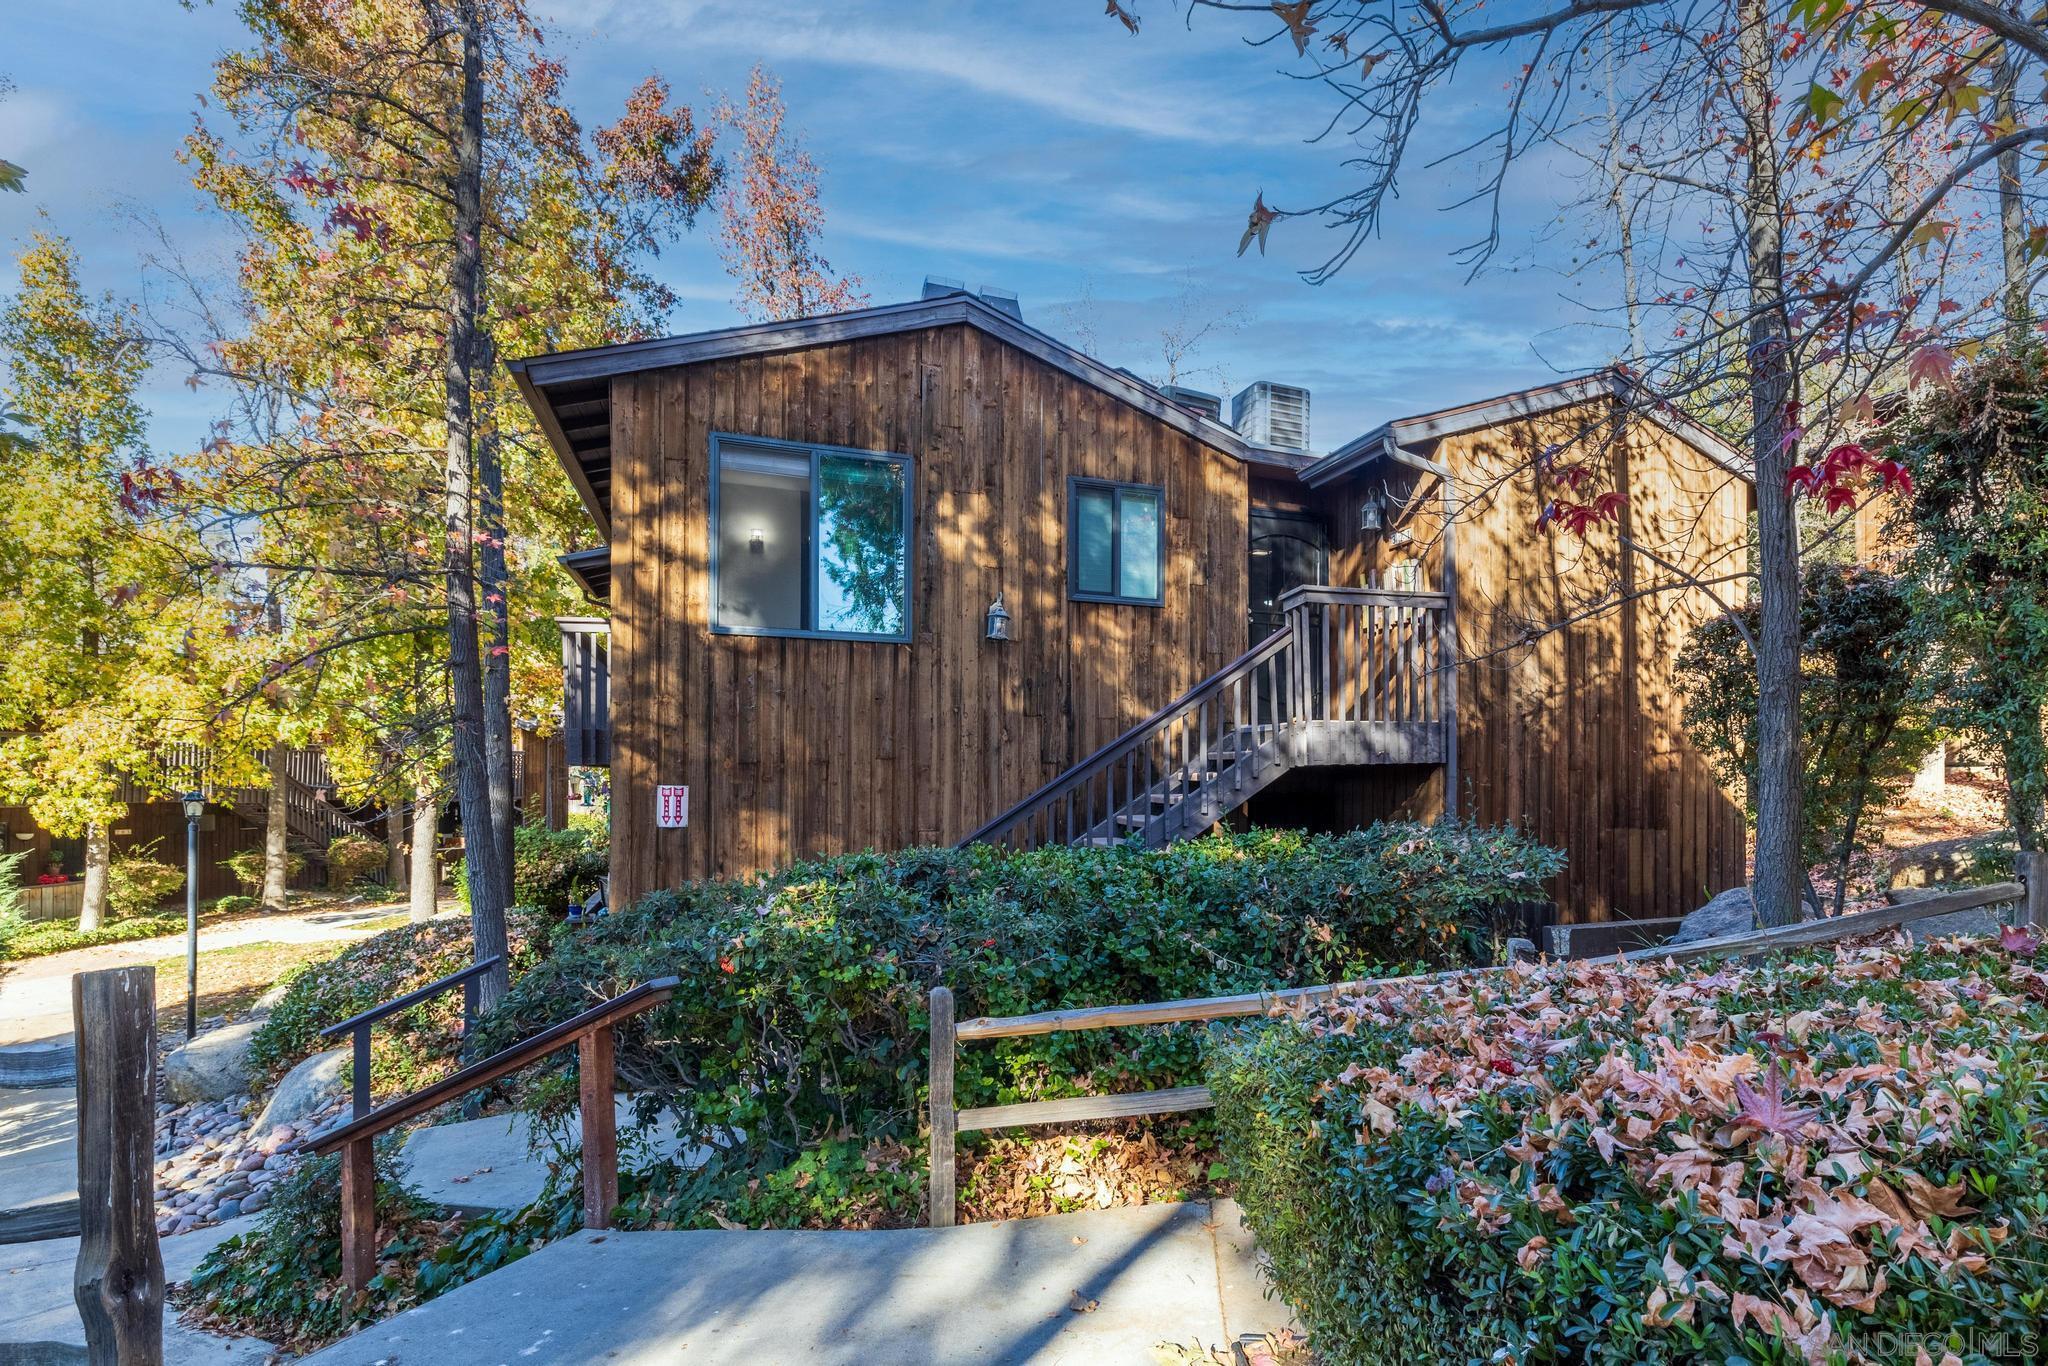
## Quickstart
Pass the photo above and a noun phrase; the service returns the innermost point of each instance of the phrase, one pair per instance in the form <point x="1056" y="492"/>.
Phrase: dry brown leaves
<point x="1064" y="1169"/>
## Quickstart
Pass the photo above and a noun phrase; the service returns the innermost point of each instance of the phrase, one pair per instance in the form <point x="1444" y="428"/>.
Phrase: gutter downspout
<point x="1447" y="644"/>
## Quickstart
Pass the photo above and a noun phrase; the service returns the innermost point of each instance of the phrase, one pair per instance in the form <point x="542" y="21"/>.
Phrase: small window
<point x="1115" y="542"/>
<point x="809" y="540"/>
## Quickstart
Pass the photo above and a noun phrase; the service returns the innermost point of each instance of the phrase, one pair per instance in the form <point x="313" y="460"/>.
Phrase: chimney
<point x="1272" y="414"/>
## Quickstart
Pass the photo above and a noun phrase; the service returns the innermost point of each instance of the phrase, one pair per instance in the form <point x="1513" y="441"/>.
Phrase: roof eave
<point x="551" y="427"/>
<point x="538" y="372"/>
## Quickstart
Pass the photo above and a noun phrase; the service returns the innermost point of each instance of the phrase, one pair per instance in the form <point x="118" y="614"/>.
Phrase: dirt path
<point x="35" y="996"/>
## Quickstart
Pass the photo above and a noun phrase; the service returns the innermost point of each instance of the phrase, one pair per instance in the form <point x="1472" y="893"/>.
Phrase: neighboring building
<point x="921" y="573"/>
<point x="154" y="827"/>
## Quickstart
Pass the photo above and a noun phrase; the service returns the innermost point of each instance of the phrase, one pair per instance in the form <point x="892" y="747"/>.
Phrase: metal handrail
<point x="359" y="1025"/>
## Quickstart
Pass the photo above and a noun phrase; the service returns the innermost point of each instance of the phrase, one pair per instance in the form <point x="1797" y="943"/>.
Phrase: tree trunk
<point x="275" y="830"/>
<point x="496" y="581"/>
<point x="395" y="826"/>
<point x="426" y="862"/>
<point x="489" y="890"/>
<point x="1779" y="799"/>
<point x="99" y="856"/>
<point x="2012" y="231"/>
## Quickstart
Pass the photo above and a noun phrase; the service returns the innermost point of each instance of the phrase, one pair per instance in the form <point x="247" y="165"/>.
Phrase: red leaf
<point x="1767" y="1110"/>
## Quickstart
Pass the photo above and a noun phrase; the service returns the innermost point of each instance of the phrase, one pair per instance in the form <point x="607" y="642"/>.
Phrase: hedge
<point x="551" y="868"/>
<point x="802" y="1015"/>
<point x="1837" y="1157"/>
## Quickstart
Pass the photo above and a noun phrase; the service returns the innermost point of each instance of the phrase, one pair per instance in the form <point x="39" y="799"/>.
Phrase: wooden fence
<point x="947" y="1033"/>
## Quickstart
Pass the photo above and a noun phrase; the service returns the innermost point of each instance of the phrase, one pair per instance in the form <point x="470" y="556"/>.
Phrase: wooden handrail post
<point x="945" y="1119"/>
<point x="2033" y="869"/>
<point x="118" y="1282"/>
<point x="358" y="1214"/>
<point x="595" y="1066"/>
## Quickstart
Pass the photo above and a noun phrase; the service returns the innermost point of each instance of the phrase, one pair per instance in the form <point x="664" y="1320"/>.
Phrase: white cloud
<point x="1089" y="75"/>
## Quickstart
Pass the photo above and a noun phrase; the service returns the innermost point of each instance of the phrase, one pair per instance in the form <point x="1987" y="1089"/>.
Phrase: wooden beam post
<point x="595" y="1066"/>
<point x="119" y="1278"/>
<point x="945" y="1120"/>
<point x="2033" y="869"/>
<point x="358" y="1214"/>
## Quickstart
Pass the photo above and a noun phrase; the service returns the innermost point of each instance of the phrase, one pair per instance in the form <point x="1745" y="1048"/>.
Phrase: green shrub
<point x="42" y="937"/>
<point x="802" y="1014"/>
<point x="233" y="904"/>
<point x="138" y="884"/>
<point x="350" y="857"/>
<point x="247" y="866"/>
<point x="551" y="868"/>
<point x="407" y="1047"/>
<point x="12" y="922"/>
<point x="1830" y="1158"/>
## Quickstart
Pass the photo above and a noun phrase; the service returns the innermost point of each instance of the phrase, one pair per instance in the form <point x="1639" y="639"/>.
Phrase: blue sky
<point x="1035" y="147"/>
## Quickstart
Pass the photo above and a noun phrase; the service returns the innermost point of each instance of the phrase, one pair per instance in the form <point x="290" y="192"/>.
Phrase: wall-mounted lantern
<point x="1372" y="513"/>
<point x="998" y="620"/>
<point x="757" y="541"/>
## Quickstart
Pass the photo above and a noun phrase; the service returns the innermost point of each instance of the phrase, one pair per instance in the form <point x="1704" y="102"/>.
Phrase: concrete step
<point x="1099" y="1288"/>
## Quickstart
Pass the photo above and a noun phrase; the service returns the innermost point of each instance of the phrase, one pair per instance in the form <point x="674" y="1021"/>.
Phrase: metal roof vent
<point x="939" y="286"/>
<point x="1003" y="299"/>
<point x="1272" y="415"/>
<point x="1195" y="401"/>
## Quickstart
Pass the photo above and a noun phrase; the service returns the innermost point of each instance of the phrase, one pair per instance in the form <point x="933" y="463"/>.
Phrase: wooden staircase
<point x="1353" y="676"/>
<point x="311" y="821"/>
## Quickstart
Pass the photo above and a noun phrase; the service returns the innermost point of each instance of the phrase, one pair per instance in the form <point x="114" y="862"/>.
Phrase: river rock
<point x="308" y="1088"/>
<point x="1731" y="912"/>
<point x="211" y="1066"/>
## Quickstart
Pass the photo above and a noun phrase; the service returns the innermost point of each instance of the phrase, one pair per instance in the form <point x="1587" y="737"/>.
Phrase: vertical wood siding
<point x="1574" y="735"/>
<point x="795" y="747"/>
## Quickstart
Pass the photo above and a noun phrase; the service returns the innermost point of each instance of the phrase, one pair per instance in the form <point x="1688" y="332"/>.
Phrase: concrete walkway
<point x="1019" y="1291"/>
<point x="35" y="996"/>
<point x="39" y="1321"/>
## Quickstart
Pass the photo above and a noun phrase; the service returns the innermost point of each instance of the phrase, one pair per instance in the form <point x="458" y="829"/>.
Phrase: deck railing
<point x="947" y="1121"/>
<point x="1352" y="676"/>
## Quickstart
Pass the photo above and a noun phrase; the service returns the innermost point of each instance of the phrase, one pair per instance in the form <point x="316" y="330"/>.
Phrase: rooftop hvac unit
<point x="1272" y="415"/>
<point x="1195" y="401"/>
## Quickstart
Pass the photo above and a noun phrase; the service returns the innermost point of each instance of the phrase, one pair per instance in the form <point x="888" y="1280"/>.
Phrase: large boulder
<point x="306" y="1090"/>
<point x="1732" y="912"/>
<point x="212" y="1066"/>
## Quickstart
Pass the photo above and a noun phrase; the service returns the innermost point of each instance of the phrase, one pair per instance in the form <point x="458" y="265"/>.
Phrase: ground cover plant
<point x="409" y="1049"/>
<point x="1830" y="1158"/>
<point x="796" y="1043"/>
<point x="281" y="1280"/>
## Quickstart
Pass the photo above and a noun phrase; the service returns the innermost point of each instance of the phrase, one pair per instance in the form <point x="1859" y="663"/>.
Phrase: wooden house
<point x="922" y="573"/>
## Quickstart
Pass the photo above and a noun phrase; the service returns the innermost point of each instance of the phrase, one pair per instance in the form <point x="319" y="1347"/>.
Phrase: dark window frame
<point x="1116" y="488"/>
<point x="813" y="559"/>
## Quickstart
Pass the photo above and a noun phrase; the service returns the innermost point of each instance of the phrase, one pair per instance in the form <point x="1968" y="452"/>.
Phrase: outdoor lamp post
<point x="195" y="807"/>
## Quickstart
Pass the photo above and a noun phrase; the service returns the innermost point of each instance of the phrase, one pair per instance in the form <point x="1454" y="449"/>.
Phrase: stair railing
<point x="1344" y="655"/>
<point x="591" y="1033"/>
<point x="1137" y="784"/>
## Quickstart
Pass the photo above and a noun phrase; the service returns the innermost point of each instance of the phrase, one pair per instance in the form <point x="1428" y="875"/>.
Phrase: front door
<point x="1287" y="549"/>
